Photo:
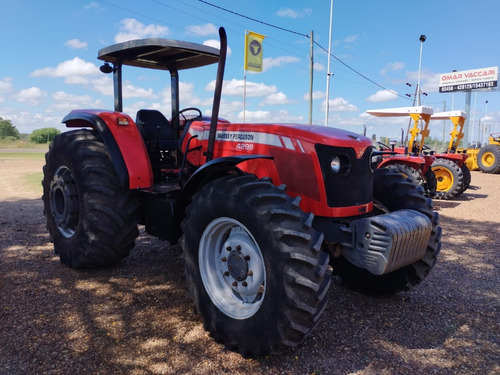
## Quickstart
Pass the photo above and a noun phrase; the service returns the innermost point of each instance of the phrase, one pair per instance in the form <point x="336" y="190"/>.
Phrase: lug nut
<point x="235" y="283"/>
<point x="247" y="257"/>
<point x="226" y="273"/>
<point x="244" y="283"/>
<point x="229" y="248"/>
<point x="224" y="259"/>
<point x="250" y="273"/>
<point x="238" y="247"/>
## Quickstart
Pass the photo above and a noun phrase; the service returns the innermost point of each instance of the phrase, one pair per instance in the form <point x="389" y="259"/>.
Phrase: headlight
<point x="340" y="164"/>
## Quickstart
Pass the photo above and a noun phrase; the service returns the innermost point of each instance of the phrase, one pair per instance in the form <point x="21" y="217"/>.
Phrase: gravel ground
<point x="135" y="318"/>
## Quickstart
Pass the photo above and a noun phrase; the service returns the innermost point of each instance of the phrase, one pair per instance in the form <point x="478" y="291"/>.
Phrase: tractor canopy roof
<point x="156" y="53"/>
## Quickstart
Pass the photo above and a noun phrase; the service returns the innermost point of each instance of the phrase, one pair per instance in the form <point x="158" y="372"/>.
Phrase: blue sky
<point x="49" y="65"/>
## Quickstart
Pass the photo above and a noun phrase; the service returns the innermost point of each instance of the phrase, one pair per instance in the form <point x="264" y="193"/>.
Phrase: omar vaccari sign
<point x="466" y="80"/>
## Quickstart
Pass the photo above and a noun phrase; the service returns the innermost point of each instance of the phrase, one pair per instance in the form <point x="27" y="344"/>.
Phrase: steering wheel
<point x="383" y="146"/>
<point x="181" y="113"/>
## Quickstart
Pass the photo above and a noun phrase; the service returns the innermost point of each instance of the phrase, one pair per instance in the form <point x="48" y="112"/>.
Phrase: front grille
<point x="349" y="189"/>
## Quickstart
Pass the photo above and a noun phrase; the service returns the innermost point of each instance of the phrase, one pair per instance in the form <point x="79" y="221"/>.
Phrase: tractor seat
<point x="156" y="130"/>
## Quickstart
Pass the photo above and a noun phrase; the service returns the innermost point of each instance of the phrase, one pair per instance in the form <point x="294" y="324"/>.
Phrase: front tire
<point x="254" y="264"/>
<point x="428" y="183"/>
<point x="450" y="179"/>
<point x="91" y="220"/>
<point x="392" y="192"/>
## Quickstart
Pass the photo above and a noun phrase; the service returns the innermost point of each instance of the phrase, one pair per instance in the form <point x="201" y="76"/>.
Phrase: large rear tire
<point x="450" y="179"/>
<point x="254" y="264"/>
<point x="392" y="192"/>
<point x="91" y="220"/>
<point x="488" y="159"/>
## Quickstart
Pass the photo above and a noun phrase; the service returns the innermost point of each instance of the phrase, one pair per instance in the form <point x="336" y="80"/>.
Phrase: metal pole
<point x="466" y="125"/>
<point x="422" y="40"/>
<point x="327" y="106"/>
<point x="311" y="69"/>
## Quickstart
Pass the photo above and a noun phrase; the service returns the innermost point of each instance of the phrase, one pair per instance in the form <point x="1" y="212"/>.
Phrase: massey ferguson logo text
<point x="235" y="136"/>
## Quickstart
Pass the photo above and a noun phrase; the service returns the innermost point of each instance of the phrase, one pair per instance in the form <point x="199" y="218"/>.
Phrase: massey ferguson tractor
<point x="263" y="212"/>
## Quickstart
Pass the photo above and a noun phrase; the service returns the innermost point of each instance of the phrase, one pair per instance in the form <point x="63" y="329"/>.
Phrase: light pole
<point x="422" y="40"/>
<point x="328" y="74"/>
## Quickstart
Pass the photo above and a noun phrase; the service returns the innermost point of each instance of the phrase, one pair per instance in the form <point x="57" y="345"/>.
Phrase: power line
<point x="307" y="36"/>
<point x="253" y="19"/>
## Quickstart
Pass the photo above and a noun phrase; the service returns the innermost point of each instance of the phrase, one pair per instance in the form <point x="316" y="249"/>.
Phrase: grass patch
<point x="23" y="155"/>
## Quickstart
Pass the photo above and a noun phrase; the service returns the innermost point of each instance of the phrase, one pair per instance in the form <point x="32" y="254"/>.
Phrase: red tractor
<point x="408" y="159"/>
<point x="261" y="211"/>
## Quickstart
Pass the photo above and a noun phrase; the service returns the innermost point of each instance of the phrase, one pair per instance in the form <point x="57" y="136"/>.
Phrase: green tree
<point x="44" y="135"/>
<point x="7" y="129"/>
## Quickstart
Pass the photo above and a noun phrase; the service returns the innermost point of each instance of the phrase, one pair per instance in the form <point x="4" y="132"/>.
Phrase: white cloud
<point x="216" y="44"/>
<point x="66" y="102"/>
<point x="291" y="13"/>
<point x="340" y="105"/>
<point x="103" y="85"/>
<point x="383" y="96"/>
<point x="32" y="96"/>
<point x="275" y="98"/>
<point x="75" y="44"/>
<point x="236" y="87"/>
<point x="281" y="116"/>
<point x="203" y="30"/>
<point x="73" y="71"/>
<point x="93" y="5"/>
<point x="254" y="116"/>
<point x="316" y="95"/>
<point x="392" y="67"/>
<point x="133" y="29"/>
<point x="270" y="62"/>
<point x="351" y="38"/>
<point x="27" y="121"/>
<point x="131" y="91"/>
<point x="6" y="84"/>
<point x="318" y="67"/>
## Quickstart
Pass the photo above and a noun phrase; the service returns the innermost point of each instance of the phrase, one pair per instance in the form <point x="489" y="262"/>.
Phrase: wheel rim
<point x="232" y="268"/>
<point x="64" y="201"/>
<point x="488" y="159"/>
<point x="444" y="179"/>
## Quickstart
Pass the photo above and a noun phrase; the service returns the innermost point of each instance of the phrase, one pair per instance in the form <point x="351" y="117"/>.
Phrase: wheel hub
<point x="232" y="268"/>
<point x="64" y="203"/>
<point x="237" y="265"/>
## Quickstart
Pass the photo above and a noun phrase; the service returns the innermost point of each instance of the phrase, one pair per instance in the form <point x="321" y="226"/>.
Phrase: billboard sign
<point x="466" y="80"/>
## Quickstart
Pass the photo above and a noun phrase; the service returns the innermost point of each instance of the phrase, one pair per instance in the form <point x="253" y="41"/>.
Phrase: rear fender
<point x="123" y="141"/>
<point x="456" y="158"/>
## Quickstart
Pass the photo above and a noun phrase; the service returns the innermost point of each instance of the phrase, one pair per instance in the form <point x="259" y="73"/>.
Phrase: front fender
<point x="210" y="171"/>
<point x="416" y="162"/>
<point x="123" y="141"/>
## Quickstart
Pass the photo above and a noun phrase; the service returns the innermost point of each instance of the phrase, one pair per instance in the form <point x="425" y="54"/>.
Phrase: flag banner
<point x="253" y="51"/>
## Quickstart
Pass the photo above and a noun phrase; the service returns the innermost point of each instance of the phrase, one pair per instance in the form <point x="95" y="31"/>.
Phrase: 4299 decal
<point x="244" y="146"/>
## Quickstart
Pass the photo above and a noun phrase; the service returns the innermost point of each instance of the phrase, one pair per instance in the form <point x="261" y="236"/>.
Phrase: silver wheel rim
<point x="232" y="268"/>
<point x="64" y="203"/>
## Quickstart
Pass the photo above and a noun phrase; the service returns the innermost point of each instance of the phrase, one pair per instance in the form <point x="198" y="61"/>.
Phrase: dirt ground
<point x="135" y="318"/>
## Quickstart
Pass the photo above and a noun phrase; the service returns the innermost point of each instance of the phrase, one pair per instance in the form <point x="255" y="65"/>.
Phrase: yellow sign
<point x="253" y="51"/>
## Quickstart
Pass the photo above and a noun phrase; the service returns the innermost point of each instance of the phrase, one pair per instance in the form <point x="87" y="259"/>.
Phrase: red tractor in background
<point x="452" y="174"/>
<point x="409" y="159"/>
<point x="446" y="173"/>
<point x="261" y="211"/>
